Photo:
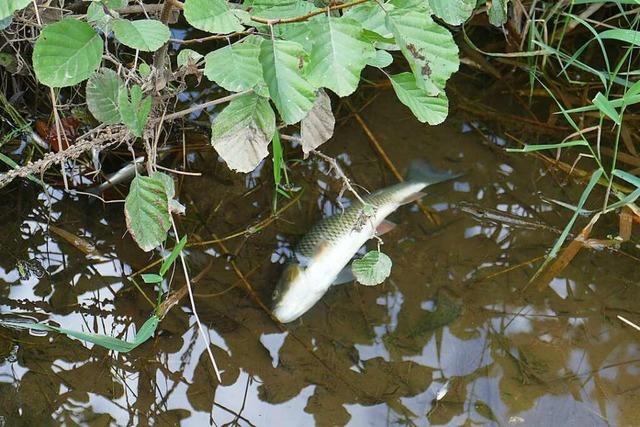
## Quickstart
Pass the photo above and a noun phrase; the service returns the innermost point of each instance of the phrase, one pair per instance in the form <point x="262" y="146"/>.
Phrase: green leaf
<point x="66" y="53"/>
<point x="97" y="16"/>
<point x="145" y="332"/>
<point x="281" y="9"/>
<point x="427" y="108"/>
<point x="242" y="131"/>
<point x="381" y="59"/>
<point x="282" y="63"/>
<point x="622" y="34"/>
<point x="151" y="278"/>
<point x="147" y="35"/>
<point x="606" y="108"/>
<point x="213" y="16"/>
<point x="299" y="32"/>
<point x="144" y="70"/>
<point x="372" y="269"/>
<point x="187" y="56"/>
<point x="173" y="255"/>
<point x="135" y="112"/>
<point x="498" y="12"/>
<point x="338" y="55"/>
<point x="8" y="7"/>
<point x="103" y="90"/>
<point x="453" y="12"/>
<point x="146" y="211"/>
<point x="372" y="17"/>
<point x="236" y="67"/>
<point x="428" y="47"/>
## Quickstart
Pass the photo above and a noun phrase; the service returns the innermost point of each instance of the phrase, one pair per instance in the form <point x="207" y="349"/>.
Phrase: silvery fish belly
<point x="324" y="253"/>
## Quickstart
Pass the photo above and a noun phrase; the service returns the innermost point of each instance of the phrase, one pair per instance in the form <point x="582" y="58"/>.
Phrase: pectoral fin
<point x="345" y="276"/>
<point x="385" y="227"/>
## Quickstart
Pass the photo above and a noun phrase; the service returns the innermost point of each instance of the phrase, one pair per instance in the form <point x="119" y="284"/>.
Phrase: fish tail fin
<point x="423" y="172"/>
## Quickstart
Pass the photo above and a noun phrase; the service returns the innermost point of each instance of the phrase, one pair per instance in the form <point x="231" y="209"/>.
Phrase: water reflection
<point x="454" y="337"/>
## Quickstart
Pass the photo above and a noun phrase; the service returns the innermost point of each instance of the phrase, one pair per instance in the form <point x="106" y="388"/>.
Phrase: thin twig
<point x="202" y="106"/>
<point x="345" y="179"/>
<point x="629" y="322"/>
<point x="204" y="336"/>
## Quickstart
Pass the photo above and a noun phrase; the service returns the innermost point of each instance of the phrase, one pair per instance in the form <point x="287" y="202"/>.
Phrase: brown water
<point x="454" y="337"/>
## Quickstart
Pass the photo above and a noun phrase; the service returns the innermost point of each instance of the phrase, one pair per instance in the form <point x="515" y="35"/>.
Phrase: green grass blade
<point x="172" y="257"/>
<point x="539" y="147"/>
<point x="145" y="332"/>
<point x="565" y="232"/>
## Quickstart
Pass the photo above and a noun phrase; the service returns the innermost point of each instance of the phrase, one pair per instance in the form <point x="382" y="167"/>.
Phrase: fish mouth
<point x="285" y="315"/>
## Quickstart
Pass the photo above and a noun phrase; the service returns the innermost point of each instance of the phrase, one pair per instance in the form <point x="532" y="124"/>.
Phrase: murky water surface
<point x="455" y="336"/>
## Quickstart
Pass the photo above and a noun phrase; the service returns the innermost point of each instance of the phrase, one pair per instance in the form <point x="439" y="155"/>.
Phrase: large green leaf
<point x="213" y="16"/>
<point x="242" y="131"/>
<point x="453" y="12"/>
<point x="103" y="90"/>
<point x="8" y="7"/>
<point x="147" y="35"/>
<point x="282" y="63"/>
<point x="427" y="108"/>
<point x="372" y="269"/>
<point x="66" y="53"/>
<point x="338" y="55"/>
<point x="134" y="112"/>
<point x="146" y="211"/>
<point x="235" y="67"/>
<point x="428" y="47"/>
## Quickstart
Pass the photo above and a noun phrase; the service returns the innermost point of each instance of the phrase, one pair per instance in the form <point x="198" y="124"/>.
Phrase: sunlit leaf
<point x="338" y="55"/>
<point x="372" y="269"/>
<point x="8" y="7"/>
<point x="242" y="131"/>
<point x="134" y="110"/>
<point x="317" y="127"/>
<point x="146" y="210"/>
<point x="103" y="89"/>
<point x="66" y="53"/>
<point x="453" y="12"/>
<point x="622" y="34"/>
<point x="282" y="63"/>
<point x="213" y="16"/>
<point x="236" y="67"/>
<point x="606" y="108"/>
<point x="426" y="108"/>
<point x="428" y="47"/>
<point x="147" y="35"/>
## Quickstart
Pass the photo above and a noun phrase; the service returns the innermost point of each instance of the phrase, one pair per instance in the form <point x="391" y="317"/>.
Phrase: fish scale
<point x="332" y="228"/>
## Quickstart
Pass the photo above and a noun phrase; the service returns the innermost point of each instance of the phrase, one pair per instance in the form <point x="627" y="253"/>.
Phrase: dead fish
<point x="323" y="254"/>
<point x="123" y="175"/>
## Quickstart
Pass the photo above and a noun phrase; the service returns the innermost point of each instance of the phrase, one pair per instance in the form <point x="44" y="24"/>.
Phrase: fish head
<point x="287" y="302"/>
